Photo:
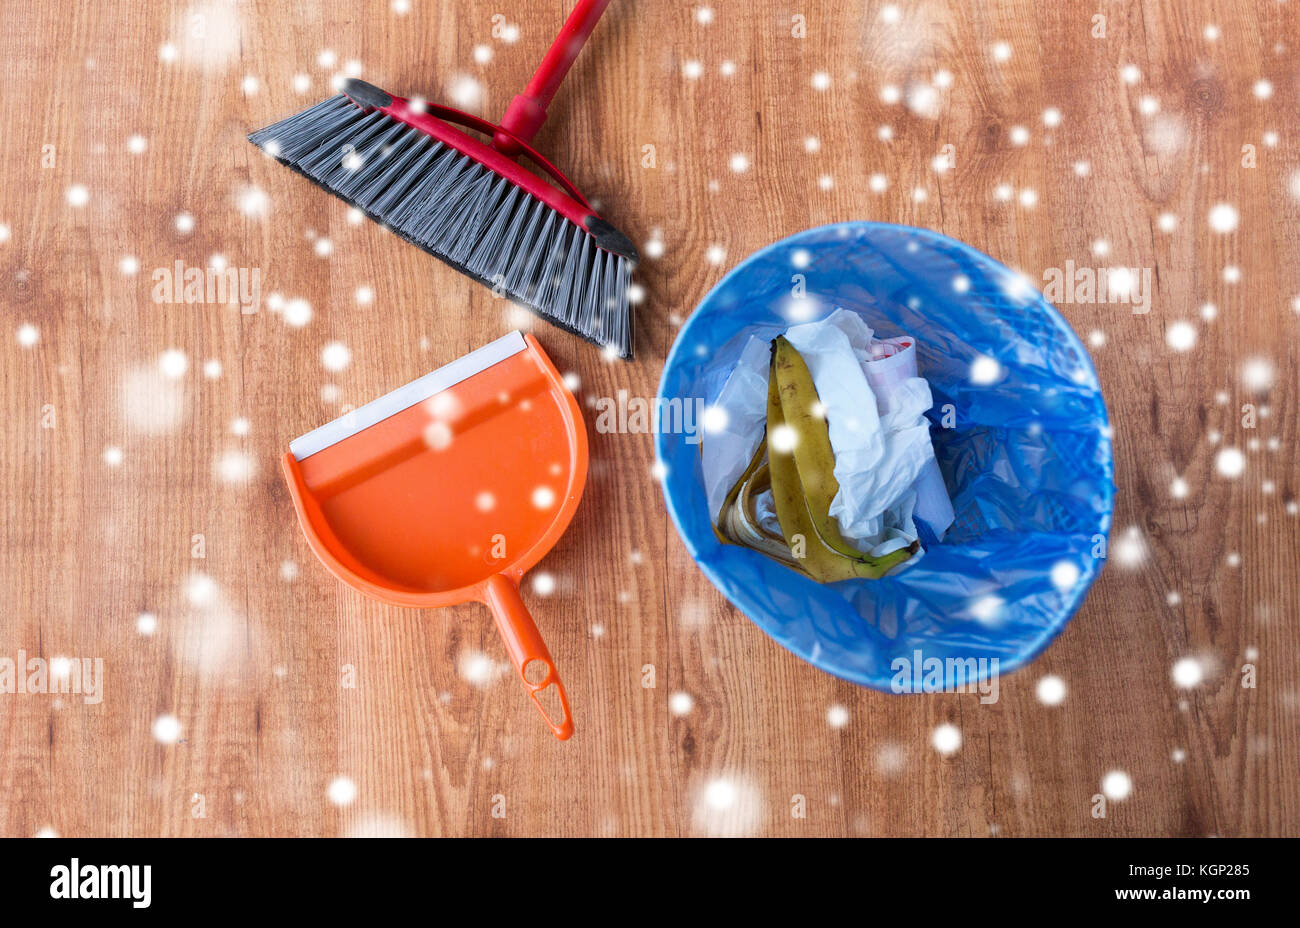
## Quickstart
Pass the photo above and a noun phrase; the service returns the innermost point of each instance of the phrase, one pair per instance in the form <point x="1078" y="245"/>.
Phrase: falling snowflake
<point x="783" y="439"/>
<point x="1257" y="375"/>
<point x="166" y="729"/>
<point x="988" y="609"/>
<point x="1065" y="574"/>
<point x="1181" y="336"/>
<point x="1187" y="672"/>
<point x="923" y="100"/>
<point x="234" y="467"/>
<point x="342" y="791"/>
<point x="1130" y="550"/>
<point x="297" y="312"/>
<point x="476" y="668"/>
<point x="335" y="356"/>
<point x="254" y="202"/>
<point x="200" y="590"/>
<point x="727" y="806"/>
<point x="173" y="363"/>
<point x="680" y="703"/>
<point x="438" y="436"/>
<point x="1116" y="785"/>
<point x="543" y="497"/>
<point x="465" y="92"/>
<point x="946" y="739"/>
<point x="1230" y="462"/>
<point x="1223" y="218"/>
<point x="1051" y="690"/>
<point x="654" y="248"/>
<point x="983" y="370"/>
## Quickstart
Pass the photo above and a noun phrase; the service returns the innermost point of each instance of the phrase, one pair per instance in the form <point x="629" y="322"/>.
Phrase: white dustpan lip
<point x="404" y="397"/>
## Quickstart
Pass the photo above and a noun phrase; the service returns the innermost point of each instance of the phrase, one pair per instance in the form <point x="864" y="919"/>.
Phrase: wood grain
<point x="256" y="675"/>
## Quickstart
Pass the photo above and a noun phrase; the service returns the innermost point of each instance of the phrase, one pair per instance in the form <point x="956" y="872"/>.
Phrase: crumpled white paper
<point x="875" y="409"/>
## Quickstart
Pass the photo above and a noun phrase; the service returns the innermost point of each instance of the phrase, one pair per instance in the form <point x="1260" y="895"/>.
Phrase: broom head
<point x="529" y="235"/>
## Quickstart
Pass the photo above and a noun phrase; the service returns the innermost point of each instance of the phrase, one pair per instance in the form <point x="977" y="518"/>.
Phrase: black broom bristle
<point x="456" y="209"/>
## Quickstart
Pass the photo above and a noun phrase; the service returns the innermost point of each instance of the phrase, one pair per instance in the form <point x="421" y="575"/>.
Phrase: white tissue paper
<point x="875" y="410"/>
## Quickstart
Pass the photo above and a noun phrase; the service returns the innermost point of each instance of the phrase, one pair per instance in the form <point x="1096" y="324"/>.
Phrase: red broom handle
<point x="527" y="111"/>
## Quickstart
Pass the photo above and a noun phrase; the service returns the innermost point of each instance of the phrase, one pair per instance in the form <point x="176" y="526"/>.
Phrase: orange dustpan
<point x="448" y="489"/>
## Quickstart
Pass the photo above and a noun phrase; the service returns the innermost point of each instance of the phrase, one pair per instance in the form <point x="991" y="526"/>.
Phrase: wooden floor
<point x="265" y="698"/>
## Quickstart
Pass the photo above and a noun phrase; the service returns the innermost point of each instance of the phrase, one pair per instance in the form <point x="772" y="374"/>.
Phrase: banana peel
<point x="738" y="522"/>
<point x="805" y="417"/>
<point x="796" y="462"/>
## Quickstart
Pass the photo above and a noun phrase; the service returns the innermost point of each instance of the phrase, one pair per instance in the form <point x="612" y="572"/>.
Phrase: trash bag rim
<point x="737" y="597"/>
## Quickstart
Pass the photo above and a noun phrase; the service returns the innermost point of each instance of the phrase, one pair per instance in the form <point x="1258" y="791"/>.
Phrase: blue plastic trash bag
<point x="1026" y="459"/>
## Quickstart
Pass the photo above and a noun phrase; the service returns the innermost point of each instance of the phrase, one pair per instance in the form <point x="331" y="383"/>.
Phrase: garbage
<point x="1018" y="426"/>
<point x="873" y="406"/>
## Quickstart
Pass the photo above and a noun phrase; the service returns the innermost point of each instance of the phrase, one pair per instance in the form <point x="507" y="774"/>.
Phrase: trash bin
<point x="1019" y="427"/>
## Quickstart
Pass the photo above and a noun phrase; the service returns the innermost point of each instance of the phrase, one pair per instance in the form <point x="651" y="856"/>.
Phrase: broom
<point x="527" y="234"/>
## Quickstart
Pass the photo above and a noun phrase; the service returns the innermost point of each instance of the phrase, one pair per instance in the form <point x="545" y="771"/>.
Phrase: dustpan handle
<point x="527" y="111"/>
<point x="525" y="644"/>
